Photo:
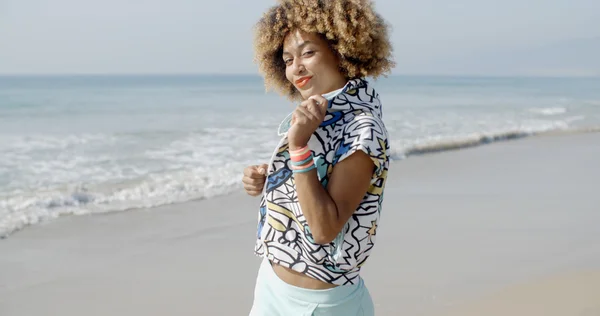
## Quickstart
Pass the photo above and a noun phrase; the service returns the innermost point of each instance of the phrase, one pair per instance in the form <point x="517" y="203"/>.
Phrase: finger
<point x="252" y="181"/>
<point x="248" y="171"/>
<point x="253" y="187"/>
<point x="253" y="193"/>
<point x="303" y="111"/>
<point x="321" y="102"/>
<point x="297" y="117"/>
<point x="313" y="108"/>
<point x="253" y="172"/>
<point x="262" y="169"/>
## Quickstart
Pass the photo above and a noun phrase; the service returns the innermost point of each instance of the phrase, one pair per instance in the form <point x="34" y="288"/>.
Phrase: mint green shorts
<point x="274" y="297"/>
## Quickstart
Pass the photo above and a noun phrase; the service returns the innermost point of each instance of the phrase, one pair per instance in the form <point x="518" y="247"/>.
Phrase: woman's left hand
<point x="305" y="120"/>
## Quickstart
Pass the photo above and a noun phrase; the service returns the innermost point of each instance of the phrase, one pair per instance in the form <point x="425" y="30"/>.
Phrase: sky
<point x="197" y="36"/>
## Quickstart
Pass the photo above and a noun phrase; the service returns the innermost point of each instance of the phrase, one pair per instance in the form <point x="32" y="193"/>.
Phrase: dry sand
<point x="505" y="229"/>
<point x="575" y="293"/>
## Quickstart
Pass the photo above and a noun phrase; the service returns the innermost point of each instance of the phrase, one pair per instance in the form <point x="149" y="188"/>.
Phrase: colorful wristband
<point x="303" y="166"/>
<point x="299" y="151"/>
<point x="304" y="170"/>
<point x="302" y="162"/>
<point x="303" y="157"/>
<point x="307" y="169"/>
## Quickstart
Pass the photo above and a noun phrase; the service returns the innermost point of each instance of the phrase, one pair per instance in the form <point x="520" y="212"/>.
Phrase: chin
<point x="312" y="91"/>
<point x="306" y="93"/>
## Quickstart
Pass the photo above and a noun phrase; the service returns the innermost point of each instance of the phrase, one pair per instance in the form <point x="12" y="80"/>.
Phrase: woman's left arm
<point x="327" y="209"/>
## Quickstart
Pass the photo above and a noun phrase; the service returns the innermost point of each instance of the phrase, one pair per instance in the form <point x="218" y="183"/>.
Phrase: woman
<point x="323" y="188"/>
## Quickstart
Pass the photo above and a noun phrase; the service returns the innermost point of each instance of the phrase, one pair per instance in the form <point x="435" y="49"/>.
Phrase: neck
<point x="340" y="84"/>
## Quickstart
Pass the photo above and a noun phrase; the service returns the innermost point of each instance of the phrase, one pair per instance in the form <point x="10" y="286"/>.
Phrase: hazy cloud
<point x="184" y="36"/>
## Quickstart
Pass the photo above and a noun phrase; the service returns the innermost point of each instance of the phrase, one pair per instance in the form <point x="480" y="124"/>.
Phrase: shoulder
<point x="364" y="121"/>
<point x="364" y="132"/>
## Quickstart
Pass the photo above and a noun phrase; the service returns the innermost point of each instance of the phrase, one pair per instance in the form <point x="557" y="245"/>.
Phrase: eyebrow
<point x="299" y="46"/>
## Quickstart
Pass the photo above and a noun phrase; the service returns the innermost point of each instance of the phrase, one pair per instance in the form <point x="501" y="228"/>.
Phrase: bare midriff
<point x="298" y="279"/>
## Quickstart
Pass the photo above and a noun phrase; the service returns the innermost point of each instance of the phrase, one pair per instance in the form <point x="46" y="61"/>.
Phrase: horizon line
<point x="199" y="74"/>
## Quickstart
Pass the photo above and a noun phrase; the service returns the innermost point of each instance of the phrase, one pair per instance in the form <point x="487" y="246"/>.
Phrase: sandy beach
<point x="509" y="228"/>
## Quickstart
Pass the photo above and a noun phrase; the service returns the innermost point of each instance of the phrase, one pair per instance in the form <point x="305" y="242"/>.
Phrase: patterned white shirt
<point x="353" y="122"/>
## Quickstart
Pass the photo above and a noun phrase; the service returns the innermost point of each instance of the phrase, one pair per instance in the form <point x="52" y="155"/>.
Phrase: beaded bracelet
<point x="302" y="160"/>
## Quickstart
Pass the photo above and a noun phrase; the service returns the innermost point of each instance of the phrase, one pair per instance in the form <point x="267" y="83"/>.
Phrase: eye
<point x="287" y="61"/>
<point x="308" y="53"/>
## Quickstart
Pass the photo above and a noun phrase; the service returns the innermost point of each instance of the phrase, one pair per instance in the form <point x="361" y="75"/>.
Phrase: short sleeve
<point x="367" y="133"/>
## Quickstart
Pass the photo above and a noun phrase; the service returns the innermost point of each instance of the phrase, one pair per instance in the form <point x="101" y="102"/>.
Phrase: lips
<point x="301" y="82"/>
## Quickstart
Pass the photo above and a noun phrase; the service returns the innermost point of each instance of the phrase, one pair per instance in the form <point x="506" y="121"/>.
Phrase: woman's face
<point x="310" y="65"/>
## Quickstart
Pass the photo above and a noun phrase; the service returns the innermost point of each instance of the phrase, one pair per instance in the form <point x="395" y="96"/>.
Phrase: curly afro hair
<point x="354" y="31"/>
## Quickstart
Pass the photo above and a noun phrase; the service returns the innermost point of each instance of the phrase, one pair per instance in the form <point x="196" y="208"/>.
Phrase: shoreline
<point x="457" y="228"/>
<point x="426" y="149"/>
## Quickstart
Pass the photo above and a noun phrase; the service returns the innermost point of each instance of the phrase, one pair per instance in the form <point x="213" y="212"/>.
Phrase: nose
<point x="299" y="68"/>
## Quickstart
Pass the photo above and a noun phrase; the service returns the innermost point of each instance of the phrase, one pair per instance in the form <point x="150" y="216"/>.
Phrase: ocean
<point x="72" y="145"/>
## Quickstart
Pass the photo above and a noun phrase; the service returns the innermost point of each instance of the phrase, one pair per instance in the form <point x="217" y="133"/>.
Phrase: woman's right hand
<point x="254" y="179"/>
